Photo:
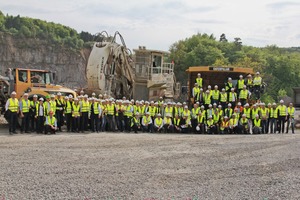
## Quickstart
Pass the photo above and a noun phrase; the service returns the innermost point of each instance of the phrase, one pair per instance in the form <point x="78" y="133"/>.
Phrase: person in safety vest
<point x="240" y="84"/>
<point x="257" y="83"/>
<point x="233" y="124"/>
<point x="76" y="116"/>
<point x="244" y="125"/>
<point x="68" y="113"/>
<point x="200" y="128"/>
<point x="59" y="113"/>
<point x="40" y="116"/>
<point x="264" y="114"/>
<point x="273" y="118"/>
<point x="290" y="118"/>
<point x="185" y="124"/>
<point x="24" y="113"/>
<point x="256" y="129"/>
<point x="96" y="113"/>
<point x="282" y="116"/>
<point x="158" y="124"/>
<point x="168" y="126"/>
<point x="12" y="110"/>
<point x="32" y="112"/>
<point x="147" y="123"/>
<point x="177" y="123"/>
<point x="224" y="127"/>
<point x="211" y="127"/>
<point x="199" y="80"/>
<point x="51" y="123"/>
<point x="84" y="110"/>
<point x="135" y="123"/>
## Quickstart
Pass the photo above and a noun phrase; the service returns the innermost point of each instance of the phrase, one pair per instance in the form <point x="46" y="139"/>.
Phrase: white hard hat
<point x="197" y="128"/>
<point x="14" y="93"/>
<point x="25" y="94"/>
<point x="239" y="104"/>
<point x="41" y="99"/>
<point x="93" y="94"/>
<point x="137" y="113"/>
<point x="229" y="104"/>
<point x="35" y="96"/>
<point x="257" y="72"/>
<point x="158" y="115"/>
<point x="281" y="101"/>
<point x="70" y="96"/>
<point x="229" y="78"/>
<point x="58" y="93"/>
<point x="52" y="95"/>
<point x="241" y="76"/>
<point x="209" y="86"/>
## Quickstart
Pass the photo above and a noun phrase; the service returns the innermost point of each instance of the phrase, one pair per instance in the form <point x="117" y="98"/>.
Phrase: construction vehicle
<point x="31" y="81"/>
<point x="109" y="67"/>
<point x="114" y="71"/>
<point x="154" y="78"/>
<point x="213" y="75"/>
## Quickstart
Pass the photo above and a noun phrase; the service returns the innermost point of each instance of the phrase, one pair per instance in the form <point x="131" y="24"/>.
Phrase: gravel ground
<point x="149" y="166"/>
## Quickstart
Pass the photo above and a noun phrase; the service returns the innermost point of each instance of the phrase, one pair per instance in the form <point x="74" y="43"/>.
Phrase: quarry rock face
<point x="69" y="64"/>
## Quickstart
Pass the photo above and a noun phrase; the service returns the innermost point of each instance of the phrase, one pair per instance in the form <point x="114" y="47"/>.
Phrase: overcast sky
<point x="157" y="24"/>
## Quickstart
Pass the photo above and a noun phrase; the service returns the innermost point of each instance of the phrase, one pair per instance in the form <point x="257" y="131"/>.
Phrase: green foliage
<point x="24" y="27"/>
<point x="282" y="93"/>
<point x="279" y="67"/>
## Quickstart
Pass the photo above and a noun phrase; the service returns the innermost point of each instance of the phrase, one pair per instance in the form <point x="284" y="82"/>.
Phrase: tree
<point x="223" y="38"/>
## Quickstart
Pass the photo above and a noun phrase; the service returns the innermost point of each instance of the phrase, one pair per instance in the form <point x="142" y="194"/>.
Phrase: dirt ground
<point x="149" y="166"/>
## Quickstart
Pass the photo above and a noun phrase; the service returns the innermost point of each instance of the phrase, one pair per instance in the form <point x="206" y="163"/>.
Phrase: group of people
<point x="101" y="113"/>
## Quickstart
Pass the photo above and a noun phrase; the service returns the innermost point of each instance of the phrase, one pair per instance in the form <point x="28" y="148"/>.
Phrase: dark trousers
<point x="110" y="122"/>
<point x="25" y="122"/>
<point x="76" y="124"/>
<point x="13" y="121"/>
<point x="60" y="118"/>
<point x="272" y="125"/>
<point x="32" y="120"/>
<point x="120" y="123"/>
<point x="263" y="126"/>
<point x="40" y="124"/>
<point x="68" y="117"/>
<point x="48" y="129"/>
<point x="84" y="121"/>
<point x="281" y="122"/>
<point x="127" y="121"/>
<point x="95" y="122"/>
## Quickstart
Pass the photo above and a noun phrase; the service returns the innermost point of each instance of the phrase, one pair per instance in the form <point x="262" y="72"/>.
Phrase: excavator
<point x="109" y="68"/>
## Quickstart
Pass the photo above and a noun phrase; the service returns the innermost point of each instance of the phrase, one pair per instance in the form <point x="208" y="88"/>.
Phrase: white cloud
<point x="158" y="24"/>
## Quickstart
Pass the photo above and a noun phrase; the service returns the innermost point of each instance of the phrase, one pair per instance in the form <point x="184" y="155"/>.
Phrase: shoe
<point x="10" y="133"/>
<point x="14" y="132"/>
<point x="27" y="131"/>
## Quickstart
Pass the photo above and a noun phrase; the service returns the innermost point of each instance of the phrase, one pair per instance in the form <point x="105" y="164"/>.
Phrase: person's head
<point x="25" y="95"/>
<point x="41" y="100"/>
<point x="51" y="113"/>
<point x="35" y="97"/>
<point x="158" y="115"/>
<point x="257" y="73"/>
<point x="229" y="79"/>
<point x="281" y="102"/>
<point x="13" y="94"/>
<point x="199" y="75"/>
<point x="241" y="76"/>
<point x="291" y="105"/>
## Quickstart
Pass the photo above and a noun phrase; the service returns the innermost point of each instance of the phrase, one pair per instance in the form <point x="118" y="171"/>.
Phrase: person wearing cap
<point x="273" y="115"/>
<point x="290" y="118"/>
<point x="32" y="112"/>
<point x="228" y="85"/>
<point x="215" y="95"/>
<point x="244" y="125"/>
<point x="51" y="123"/>
<point x="24" y="113"/>
<point x="195" y="93"/>
<point x="47" y="104"/>
<point x="211" y="127"/>
<point x="228" y="111"/>
<point x="152" y="110"/>
<point x="76" y="116"/>
<point x="110" y="115"/>
<point x="282" y="116"/>
<point x="233" y="124"/>
<point x="12" y="110"/>
<point x="95" y="116"/>
<point x="53" y="103"/>
<point x="207" y="99"/>
<point x="59" y="113"/>
<point x="185" y="124"/>
<point x="200" y="127"/>
<point x="199" y="80"/>
<point x="223" y="99"/>
<point x="249" y="83"/>
<point x="264" y="114"/>
<point x="217" y="120"/>
<point x="147" y="123"/>
<point x="224" y="125"/>
<point x="128" y="114"/>
<point x="168" y="126"/>
<point x="257" y="83"/>
<point x="40" y="115"/>
<point x="120" y="115"/>
<point x="194" y="113"/>
<point x="169" y="110"/>
<point x="158" y="126"/>
<point x="232" y="98"/>
<point x="84" y="110"/>
<point x="243" y="95"/>
<point x="135" y="122"/>
<point x="256" y="129"/>
<point x="68" y="113"/>
<point x="240" y="85"/>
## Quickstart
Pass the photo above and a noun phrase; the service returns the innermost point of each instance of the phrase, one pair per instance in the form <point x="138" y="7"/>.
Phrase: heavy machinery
<point x="114" y="71"/>
<point x="109" y="68"/>
<point x="31" y="81"/>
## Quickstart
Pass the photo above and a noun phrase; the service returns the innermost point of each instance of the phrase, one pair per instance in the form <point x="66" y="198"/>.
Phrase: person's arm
<point x="7" y="105"/>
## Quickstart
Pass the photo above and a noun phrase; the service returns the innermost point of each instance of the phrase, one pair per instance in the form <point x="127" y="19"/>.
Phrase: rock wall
<point x="69" y="65"/>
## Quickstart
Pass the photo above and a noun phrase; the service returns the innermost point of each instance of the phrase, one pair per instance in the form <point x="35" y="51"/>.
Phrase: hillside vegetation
<point x="280" y="67"/>
<point x="25" y="27"/>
